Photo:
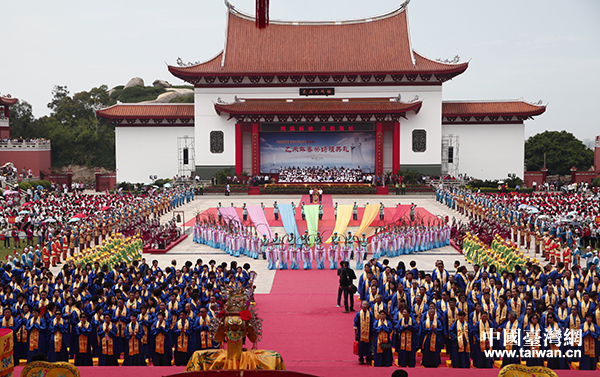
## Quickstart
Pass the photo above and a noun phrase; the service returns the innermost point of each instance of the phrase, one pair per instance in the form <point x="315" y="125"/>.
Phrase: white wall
<point x="488" y="151"/>
<point x="142" y="151"/>
<point x="429" y="118"/>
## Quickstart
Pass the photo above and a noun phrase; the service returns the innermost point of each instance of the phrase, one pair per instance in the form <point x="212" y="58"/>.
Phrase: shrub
<point x="220" y="189"/>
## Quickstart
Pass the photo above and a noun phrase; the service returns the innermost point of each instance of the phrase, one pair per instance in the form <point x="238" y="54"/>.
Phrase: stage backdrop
<point x="330" y="149"/>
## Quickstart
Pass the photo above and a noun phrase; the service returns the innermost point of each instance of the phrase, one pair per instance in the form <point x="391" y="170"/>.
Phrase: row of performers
<point x="279" y="250"/>
<point x="471" y="337"/>
<point x="160" y="337"/>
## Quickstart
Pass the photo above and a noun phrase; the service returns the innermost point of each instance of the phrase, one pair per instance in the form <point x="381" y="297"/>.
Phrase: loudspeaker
<point x="450" y="155"/>
<point x="186" y="159"/>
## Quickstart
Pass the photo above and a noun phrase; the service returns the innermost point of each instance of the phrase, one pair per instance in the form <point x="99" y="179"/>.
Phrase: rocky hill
<point x="160" y="92"/>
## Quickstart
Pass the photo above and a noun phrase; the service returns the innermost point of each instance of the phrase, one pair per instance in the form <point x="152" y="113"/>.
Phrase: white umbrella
<point x="74" y="220"/>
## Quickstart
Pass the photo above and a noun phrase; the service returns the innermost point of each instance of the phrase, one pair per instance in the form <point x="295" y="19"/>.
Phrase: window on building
<point x="419" y="140"/>
<point x="216" y="142"/>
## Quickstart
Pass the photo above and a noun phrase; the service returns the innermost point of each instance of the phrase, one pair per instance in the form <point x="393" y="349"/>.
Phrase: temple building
<point x="343" y="93"/>
<point x="24" y="155"/>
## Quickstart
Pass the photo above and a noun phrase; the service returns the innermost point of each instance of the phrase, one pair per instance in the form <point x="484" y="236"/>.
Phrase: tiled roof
<point x="380" y="45"/>
<point x="148" y="111"/>
<point x="491" y="108"/>
<point x="320" y="106"/>
<point x="8" y="101"/>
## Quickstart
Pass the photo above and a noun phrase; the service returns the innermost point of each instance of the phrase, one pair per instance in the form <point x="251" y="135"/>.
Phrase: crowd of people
<point x="532" y="314"/>
<point x="110" y="304"/>
<point x="293" y="174"/>
<point x="59" y="225"/>
<point x="555" y="226"/>
<point x="302" y="250"/>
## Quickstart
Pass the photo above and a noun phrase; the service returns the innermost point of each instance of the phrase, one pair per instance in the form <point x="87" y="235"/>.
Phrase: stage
<point x="169" y="247"/>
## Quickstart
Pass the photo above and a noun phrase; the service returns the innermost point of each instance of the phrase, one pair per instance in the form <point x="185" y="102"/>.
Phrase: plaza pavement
<point x="188" y="250"/>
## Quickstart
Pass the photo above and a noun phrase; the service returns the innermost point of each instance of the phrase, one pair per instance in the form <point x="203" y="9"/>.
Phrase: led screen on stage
<point x="330" y="149"/>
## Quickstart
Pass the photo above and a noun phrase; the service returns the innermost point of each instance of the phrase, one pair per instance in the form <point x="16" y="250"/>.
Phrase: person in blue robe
<point x="107" y="332"/>
<point x="590" y="346"/>
<point x="14" y="324"/>
<point x="134" y="332"/>
<point x="407" y="340"/>
<point x="432" y="336"/>
<point x="553" y="342"/>
<point x="532" y="332"/>
<point x="512" y="328"/>
<point x="36" y="331"/>
<point x="382" y="334"/>
<point x="57" y="328"/>
<point x="482" y="341"/>
<point x="161" y="332"/>
<point x="83" y="342"/>
<point x="461" y="348"/>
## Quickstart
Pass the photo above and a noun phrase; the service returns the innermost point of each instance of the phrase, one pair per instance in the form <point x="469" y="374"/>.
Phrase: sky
<point x="545" y="50"/>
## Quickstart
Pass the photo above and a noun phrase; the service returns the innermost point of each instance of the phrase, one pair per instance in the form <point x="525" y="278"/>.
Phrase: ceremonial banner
<point x="311" y="213"/>
<point x="371" y="212"/>
<point x="329" y="149"/>
<point x="289" y="220"/>
<point x="260" y="221"/>
<point x="6" y="352"/>
<point x="343" y="218"/>
<point x="400" y="211"/>
<point x="230" y="215"/>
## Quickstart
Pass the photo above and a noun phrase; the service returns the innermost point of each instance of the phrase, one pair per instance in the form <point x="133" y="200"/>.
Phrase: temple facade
<point x="343" y="93"/>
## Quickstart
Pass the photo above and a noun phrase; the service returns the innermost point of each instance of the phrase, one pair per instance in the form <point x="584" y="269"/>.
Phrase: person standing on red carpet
<point x="407" y="343"/>
<point x="347" y="276"/>
<point x="432" y="333"/>
<point x="382" y="334"/>
<point x="461" y="347"/>
<point x="363" y="332"/>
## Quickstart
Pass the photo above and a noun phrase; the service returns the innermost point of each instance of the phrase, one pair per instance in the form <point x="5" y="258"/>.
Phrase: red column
<point x="239" y="149"/>
<point x="396" y="150"/>
<point x="255" y="149"/>
<point x="378" y="148"/>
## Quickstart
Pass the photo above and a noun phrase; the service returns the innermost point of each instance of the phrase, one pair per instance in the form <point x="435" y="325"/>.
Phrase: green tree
<point x="77" y="136"/>
<point x="563" y="151"/>
<point x="22" y="122"/>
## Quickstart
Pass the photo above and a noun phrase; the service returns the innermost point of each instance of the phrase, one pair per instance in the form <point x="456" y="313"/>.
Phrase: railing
<point x="12" y="144"/>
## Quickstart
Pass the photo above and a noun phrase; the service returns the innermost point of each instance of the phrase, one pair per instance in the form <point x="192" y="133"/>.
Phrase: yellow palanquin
<point x="236" y="324"/>
<point x="516" y="370"/>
